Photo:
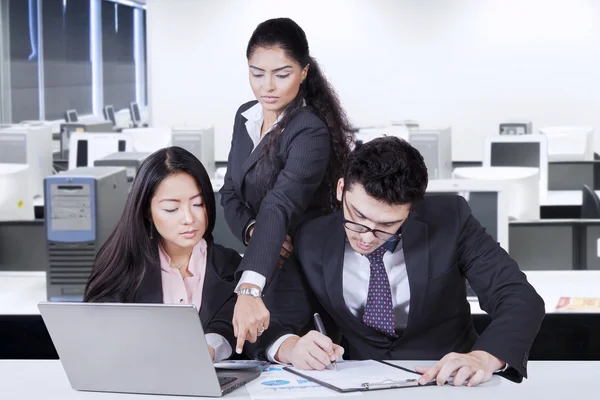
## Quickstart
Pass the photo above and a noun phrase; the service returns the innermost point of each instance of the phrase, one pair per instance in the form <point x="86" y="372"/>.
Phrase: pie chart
<point x="276" y="382"/>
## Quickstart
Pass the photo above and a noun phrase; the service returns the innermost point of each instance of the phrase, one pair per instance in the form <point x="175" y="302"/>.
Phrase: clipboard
<point x="329" y="378"/>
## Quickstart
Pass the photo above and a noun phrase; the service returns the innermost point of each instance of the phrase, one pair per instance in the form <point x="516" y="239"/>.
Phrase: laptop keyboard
<point x="224" y="380"/>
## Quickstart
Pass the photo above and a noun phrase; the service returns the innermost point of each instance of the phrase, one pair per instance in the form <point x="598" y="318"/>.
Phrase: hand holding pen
<point x="321" y="328"/>
<point x="312" y="351"/>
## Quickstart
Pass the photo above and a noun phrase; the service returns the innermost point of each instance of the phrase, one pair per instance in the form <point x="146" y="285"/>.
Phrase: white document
<point x="275" y="383"/>
<point x="353" y="374"/>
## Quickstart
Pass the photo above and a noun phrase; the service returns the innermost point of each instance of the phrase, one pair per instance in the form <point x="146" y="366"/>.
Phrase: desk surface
<point x="30" y="380"/>
<point x="563" y="198"/>
<point x="20" y="292"/>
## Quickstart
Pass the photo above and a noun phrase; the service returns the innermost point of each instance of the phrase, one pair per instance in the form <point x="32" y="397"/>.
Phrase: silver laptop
<point x="137" y="348"/>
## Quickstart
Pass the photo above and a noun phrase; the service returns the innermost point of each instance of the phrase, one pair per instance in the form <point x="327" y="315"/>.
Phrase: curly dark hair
<point x="389" y="169"/>
<point x="319" y="96"/>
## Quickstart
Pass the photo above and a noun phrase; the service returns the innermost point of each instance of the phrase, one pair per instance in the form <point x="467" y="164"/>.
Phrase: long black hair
<point x="319" y="96"/>
<point x="130" y="251"/>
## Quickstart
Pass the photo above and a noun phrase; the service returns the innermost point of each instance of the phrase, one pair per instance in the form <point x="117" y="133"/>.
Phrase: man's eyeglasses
<point x="381" y="235"/>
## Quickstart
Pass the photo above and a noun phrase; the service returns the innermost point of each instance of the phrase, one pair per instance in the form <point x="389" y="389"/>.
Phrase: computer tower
<point x="82" y="208"/>
<point x="200" y="142"/>
<point x="435" y="145"/>
<point x="130" y="160"/>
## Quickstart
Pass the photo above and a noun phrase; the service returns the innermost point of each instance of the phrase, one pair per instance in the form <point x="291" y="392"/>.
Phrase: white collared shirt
<point x="356" y="275"/>
<point x="254" y="121"/>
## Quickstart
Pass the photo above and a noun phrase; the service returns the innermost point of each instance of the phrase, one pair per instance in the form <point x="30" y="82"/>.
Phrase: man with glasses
<point x="389" y="268"/>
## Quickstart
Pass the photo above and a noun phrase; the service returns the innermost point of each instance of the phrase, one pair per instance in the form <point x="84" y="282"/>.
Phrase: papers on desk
<point x="361" y="375"/>
<point x="578" y="304"/>
<point x="275" y="383"/>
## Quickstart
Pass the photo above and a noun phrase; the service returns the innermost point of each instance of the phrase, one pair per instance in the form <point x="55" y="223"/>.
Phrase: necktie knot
<point x="376" y="257"/>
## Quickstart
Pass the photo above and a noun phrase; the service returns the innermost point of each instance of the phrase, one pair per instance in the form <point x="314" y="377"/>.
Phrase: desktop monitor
<point x="109" y="114"/>
<point x="29" y="143"/>
<point x="69" y="128"/>
<point x="488" y="201"/>
<point x="71" y="116"/>
<point x="569" y="143"/>
<point x="516" y="128"/>
<point x="134" y="110"/>
<point x="198" y="141"/>
<point x="518" y="151"/>
<point x="435" y="145"/>
<point x="86" y="148"/>
<point x="149" y="140"/>
<point x="16" y="203"/>
<point x="522" y="184"/>
<point x="366" y="134"/>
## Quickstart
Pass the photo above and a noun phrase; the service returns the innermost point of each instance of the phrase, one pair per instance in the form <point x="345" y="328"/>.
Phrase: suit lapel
<point x="252" y="158"/>
<point x="150" y="290"/>
<point x="333" y="263"/>
<point x="416" y="255"/>
<point x="244" y="152"/>
<point x="214" y="293"/>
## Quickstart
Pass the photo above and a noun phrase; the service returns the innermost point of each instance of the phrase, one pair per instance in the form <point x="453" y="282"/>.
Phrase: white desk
<point x="20" y="292"/>
<point x="563" y="198"/>
<point x="33" y="380"/>
<point x="551" y="285"/>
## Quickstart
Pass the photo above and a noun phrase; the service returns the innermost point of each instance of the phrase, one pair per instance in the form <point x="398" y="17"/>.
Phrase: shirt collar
<point x="391" y="246"/>
<point x="254" y="113"/>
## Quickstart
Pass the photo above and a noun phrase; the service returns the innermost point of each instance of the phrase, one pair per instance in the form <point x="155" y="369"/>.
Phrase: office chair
<point x="590" y="206"/>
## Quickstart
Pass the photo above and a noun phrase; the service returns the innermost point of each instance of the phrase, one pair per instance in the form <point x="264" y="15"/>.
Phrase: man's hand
<point x="212" y="353"/>
<point x="250" y="318"/>
<point x="312" y="351"/>
<point x="285" y="252"/>
<point x="472" y="368"/>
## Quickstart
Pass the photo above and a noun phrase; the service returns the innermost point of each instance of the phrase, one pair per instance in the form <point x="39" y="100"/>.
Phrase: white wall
<point x="466" y="63"/>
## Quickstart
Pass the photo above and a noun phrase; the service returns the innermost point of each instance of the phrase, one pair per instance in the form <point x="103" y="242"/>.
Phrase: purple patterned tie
<point x="379" y="313"/>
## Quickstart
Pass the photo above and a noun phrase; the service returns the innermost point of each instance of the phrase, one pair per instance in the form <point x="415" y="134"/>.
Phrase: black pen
<point x="321" y="328"/>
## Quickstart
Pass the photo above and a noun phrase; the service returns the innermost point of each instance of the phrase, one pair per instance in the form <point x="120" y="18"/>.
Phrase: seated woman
<point x="162" y="249"/>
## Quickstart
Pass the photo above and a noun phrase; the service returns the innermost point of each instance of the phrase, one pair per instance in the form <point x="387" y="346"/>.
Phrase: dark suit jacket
<point x="303" y="159"/>
<point x="218" y="299"/>
<point x="443" y="243"/>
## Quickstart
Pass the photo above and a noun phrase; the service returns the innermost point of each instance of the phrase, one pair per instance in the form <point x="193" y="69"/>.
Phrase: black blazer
<point x="218" y="299"/>
<point x="303" y="159"/>
<point x="443" y="243"/>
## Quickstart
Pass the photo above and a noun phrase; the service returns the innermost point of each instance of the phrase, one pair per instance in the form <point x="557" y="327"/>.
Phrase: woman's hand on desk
<point x="472" y="368"/>
<point x="250" y="319"/>
<point x="212" y="353"/>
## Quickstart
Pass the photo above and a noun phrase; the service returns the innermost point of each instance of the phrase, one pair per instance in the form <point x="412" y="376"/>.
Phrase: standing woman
<point x="287" y="152"/>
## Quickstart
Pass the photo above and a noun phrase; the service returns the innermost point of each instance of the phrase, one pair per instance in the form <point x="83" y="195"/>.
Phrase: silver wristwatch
<point x="254" y="292"/>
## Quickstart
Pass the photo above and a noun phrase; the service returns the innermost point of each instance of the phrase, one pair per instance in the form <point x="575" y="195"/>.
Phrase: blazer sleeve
<point x="237" y="214"/>
<point x="291" y="305"/>
<point x="295" y="186"/>
<point x="515" y="308"/>
<point x="221" y="322"/>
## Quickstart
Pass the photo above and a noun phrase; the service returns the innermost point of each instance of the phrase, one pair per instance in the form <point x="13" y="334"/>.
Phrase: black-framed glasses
<point x="381" y="235"/>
